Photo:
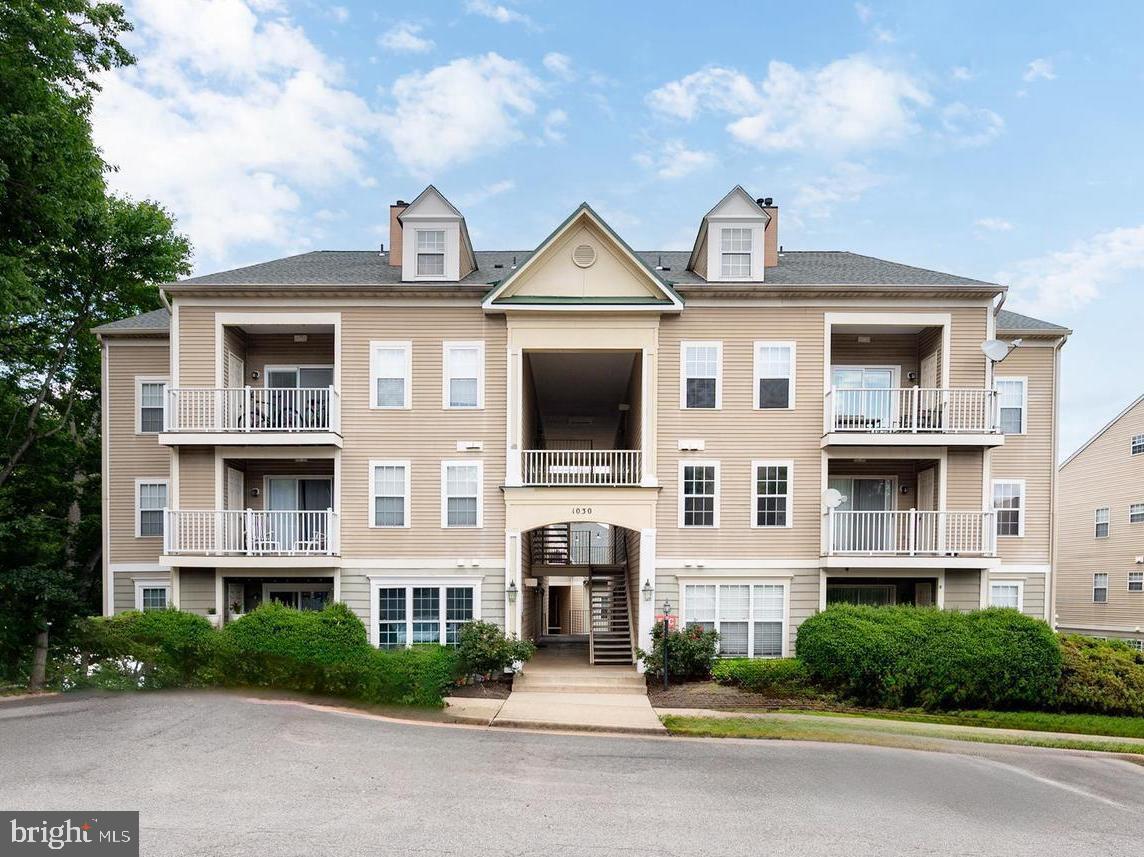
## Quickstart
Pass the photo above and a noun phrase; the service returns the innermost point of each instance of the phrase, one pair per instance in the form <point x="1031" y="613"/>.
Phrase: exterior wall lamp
<point x="512" y="592"/>
<point x="647" y="590"/>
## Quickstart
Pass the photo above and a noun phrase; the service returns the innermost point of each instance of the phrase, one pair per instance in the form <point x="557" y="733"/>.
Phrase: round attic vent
<point x="584" y="255"/>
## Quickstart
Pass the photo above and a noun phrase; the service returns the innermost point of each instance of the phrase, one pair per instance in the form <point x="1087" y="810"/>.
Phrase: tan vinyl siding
<point x="884" y="349"/>
<point x="964" y="485"/>
<point x="634" y="439"/>
<point x="124" y="587"/>
<point x="530" y="606"/>
<point x="1103" y="474"/>
<point x="131" y="456"/>
<point x="257" y="469"/>
<point x="280" y="349"/>
<point x="635" y="579"/>
<point x="1030" y="456"/>
<point x="196" y="589"/>
<point x="804" y="601"/>
<point x="355" y="593"/>
<point x="929" y="342"/>
<point x="962" y="590"/>
<point x="196" y="478"/>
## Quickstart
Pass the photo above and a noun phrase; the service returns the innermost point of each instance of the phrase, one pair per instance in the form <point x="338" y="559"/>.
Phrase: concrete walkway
<point x="560" y="690"/>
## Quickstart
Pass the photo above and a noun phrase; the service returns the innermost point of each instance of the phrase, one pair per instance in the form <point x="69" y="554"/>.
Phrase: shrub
<point x="776" y="676"/>
<point x="1101" y="676"/>
<point x="483" y="649"/>
<point x="153" y="649"/>
<point x="894" y="657"/>
<point x="417" y="676"/>
<point x="690" y="652"/>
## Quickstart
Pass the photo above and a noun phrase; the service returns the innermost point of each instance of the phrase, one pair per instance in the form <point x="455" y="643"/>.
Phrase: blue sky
<point x="998" y="143"/>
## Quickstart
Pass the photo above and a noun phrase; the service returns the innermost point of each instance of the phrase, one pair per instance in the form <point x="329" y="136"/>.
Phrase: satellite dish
<point x="832" y="498"/>
<point x="995" y="349"/>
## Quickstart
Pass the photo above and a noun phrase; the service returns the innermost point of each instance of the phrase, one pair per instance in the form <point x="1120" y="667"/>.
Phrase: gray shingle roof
<point x="1007" y="320"/>
<point x="156" y="321"/>
<point x="369" y="267"/>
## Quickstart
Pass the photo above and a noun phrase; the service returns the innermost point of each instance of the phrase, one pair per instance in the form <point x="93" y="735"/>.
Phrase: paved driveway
<point x="215" y="773"/>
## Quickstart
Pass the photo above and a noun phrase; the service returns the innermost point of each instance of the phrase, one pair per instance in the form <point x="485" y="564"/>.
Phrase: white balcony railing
<point x="911" y="533"/>
<point x="912" y="410"/>
<point x="248" y="532"/>
<point x="252" y="409"/>
<point x="554" y="467"/>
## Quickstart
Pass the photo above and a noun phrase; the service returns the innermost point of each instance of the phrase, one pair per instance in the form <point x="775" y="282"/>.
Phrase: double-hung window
<point x="750" y="616"/>
<point x="1136" y="581"/>
<point x="150" y="500"/>
<point x="1009" y="505"/>
<point x="430" y="252"/>
<point x="772" y="482"/>
<point x="461" y="493"/>
<point x="389" y="493"/>
<point x="774" y="375"/>
<point x="1012" y="400"/>
<point x="391" y="375"/>
<point x="701" y="379"/>
<point x="1005" y="594"/>
<point x="149" y="395"/>
<point x="735" y="251"/>
<point x="1103" y="521"/>
<point x="699" y="494"/>
<point x="152" y="594"/>
<point x="1100" y="587"/>
<point x="1137" y="444"/>
<point x="422" y="611"/>
<point x="1136" y="513"/>
<point x="464" y="375"/>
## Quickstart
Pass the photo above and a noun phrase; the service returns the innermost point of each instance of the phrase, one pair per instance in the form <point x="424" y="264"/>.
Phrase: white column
<point x="513" y="611"/>
<point x="647" y="605"/>
<point x="175" y="587"/>
<point x="337" y="585"/>
<point x="515" y="439"/>
<point x="219" y="597"/>
<point x="647" y="419"/>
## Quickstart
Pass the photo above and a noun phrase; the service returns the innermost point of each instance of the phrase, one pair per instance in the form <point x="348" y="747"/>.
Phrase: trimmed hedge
<point x="155" y="649"/>
<point x="1101" y="676"/>
<point x="776" y="676"/>
<point x="905" y="657"/>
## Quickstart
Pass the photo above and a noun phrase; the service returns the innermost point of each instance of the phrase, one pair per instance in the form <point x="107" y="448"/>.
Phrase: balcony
<point x="580" y="467"/>
<point x="911" y="533"/>
<point x="291" y="415"/>
<point x="251" y="533"/>
<point x="912" y="415"/>
<point x="577" y="544"/>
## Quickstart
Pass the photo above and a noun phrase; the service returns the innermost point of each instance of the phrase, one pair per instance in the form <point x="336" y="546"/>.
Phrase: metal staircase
<point x="610" y="631"/>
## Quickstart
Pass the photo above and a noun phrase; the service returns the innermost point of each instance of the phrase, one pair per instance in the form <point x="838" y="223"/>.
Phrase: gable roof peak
<point x="430" y="192"/>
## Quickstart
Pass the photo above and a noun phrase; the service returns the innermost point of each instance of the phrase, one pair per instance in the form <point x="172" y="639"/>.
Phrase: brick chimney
<point x="395" y="231"/>
<point x="771" y="237"/>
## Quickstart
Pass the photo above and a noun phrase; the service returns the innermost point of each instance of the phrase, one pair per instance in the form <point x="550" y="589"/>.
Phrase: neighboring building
<point x="1100" y="587"/>
<point x="559" y="440"/>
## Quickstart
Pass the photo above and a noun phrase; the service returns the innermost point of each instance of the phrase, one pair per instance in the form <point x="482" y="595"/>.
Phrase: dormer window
<point x="430" y="252"/>
<point x="736" y="252"/>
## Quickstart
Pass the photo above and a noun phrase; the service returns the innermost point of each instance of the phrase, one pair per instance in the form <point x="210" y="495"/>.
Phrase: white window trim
<point x="140" y="585"/>
<point x="140" y="380"/>
<point x="700" y="343"/>
<point x="697" y="462"/>
<point x="1130" y="506"/>
<point x="387" y="462"/>
<point x="755" y="465"/>
<point x="145" y="480"/>
<point x="462" y="462"/>
<point x="444" y="275"/>
<point x="684" y="582"/>
<point x="408" y="583"/>
<point x="1107" y="586"/>
<point x="1024" y="380"/>
<point x="772" y="343"/>
<point x="1020" y="584"/>
<point x="446" y="376"/>
<point x="1096" y="522"/>
<point x="1020" y="511"/>
<point x="1131" y="443"/>
<point x="1128" y="582"/>
<point x="376" y="345"/>
<point x="750" y="253"/>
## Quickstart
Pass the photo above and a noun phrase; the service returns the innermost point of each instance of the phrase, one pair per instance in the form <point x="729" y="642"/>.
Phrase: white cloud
<point x="228" y="119"/>
<point x="960" y="72"/>
<point x="846" y="183"/>
<point x="674" y="160"/>
<point x="496" y="12"/>
<point x="340" y="14"/>
<point x="970" y="126"/>
<point x="454" y="112"/>
<point x="485" y="193"/>
<point x="1039" y="69"/>
<point x="403" y="38"/>
<point x="993" y="224"/>
<point x="852" y="103"/>
<point x="1068" y="279"/>
<point x="554" y="124"/>
<point x="560" y="65"/>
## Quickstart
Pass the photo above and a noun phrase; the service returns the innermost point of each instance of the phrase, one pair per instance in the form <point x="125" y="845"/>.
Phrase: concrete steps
<point x="585" y="680"/>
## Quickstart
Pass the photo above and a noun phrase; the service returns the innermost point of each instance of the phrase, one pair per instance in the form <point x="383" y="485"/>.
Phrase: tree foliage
<point x="72" y="256"/>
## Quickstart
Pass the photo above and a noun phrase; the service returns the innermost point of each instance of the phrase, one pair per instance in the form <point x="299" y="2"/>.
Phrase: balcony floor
<point x="251" y="438"/>
<point x="857" y="438"/>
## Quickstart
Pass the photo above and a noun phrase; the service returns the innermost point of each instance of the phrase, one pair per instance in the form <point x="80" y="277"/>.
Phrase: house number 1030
<point x="581" y="510"/>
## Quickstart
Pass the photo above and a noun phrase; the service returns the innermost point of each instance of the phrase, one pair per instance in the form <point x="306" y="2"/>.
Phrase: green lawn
<point x="1040" y="721"/>
<point x="869" y="731"/>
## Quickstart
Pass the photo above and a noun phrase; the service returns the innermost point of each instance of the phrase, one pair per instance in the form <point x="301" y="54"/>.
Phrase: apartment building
<point x="580" y="439"/>
<point x="1100" y="586"/>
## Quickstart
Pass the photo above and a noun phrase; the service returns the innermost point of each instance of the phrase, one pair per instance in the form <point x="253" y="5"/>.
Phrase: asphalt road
<point x="222" y="774"/>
